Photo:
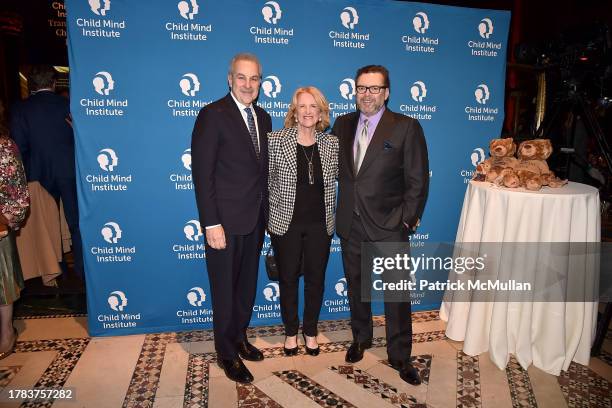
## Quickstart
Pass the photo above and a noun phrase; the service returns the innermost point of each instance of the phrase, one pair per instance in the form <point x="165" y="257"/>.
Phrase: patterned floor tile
<point x="377" y="387"/>
<point x="422" y="363"/>
<point x="68" y="353"/>
<point x="521" y="391"/>
<point x="7" y="374"/>
<point x="312" y="389"/>
<point x="605" y="357"/>
<point x="196" y="384"/>
<point x="582" y="387"/>
<point x="468" y="381"/>
<point x="249" y="396"/>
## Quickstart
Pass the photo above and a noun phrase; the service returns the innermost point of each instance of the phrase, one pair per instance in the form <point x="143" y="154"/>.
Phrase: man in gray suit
<point x="383" y="185"/>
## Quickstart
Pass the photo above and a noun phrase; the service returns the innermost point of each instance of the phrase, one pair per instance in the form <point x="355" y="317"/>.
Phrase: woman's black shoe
<point x="290" y="351"/>
<point x="310" y="351"/>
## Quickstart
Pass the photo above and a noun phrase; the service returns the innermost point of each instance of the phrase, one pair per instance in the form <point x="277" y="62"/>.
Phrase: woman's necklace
<point x="310" y="166"/>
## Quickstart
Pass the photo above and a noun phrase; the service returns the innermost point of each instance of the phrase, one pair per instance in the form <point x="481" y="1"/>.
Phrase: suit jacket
<point x="230" y="182"/>
<point x="45" y="139"/>
<point x="393" y="180"/>
<point x="283" y="177"/>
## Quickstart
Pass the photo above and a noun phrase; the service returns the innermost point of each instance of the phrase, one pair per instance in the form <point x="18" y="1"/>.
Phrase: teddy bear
<point x="499" y="168"/>
<point x="532" y="169"/>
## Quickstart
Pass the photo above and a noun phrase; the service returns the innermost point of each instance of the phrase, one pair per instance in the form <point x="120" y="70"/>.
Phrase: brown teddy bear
<point x="532" y="169"/>
<point x="499" y="168"/>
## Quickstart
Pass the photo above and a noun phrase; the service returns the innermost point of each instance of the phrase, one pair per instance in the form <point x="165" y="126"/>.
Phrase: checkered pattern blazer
<point x="282" y="177"/>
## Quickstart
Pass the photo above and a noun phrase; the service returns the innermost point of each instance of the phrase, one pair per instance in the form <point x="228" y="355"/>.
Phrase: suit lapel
<point x="383" y="130"/>
<point x="348" y="139"/>
<point x="289" y="148"/>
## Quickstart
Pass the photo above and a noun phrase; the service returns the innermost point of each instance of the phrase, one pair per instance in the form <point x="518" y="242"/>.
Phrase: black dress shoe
<point x="249" y="352"/>
<point x="410" y="374"/>
<point x="355" y="352"/>
<point x="310" y="351"/>
<point x="290" y="351"/>
<point x="235" y="370"/>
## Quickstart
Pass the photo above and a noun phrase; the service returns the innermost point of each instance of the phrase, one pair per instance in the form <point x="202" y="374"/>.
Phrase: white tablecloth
<point x="549" y="335"/>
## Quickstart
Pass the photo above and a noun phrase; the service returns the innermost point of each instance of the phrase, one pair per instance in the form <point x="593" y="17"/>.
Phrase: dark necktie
<point x="252" y="130"/>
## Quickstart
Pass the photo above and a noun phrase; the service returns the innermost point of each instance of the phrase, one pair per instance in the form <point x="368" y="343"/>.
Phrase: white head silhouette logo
<point x="107" y="159"/>
<point x="99" y="8"/>
<point x="482" y="94"/>
<point x="103" y="83"/>
<point x="347" y="88"/>
<point x="271" y="86"/>
<point x="420" y="22"/>
<point x="188" y="10"/>
<point x="478" y="156"/>
<point x="186" y="159"/>
<point x="418" y="91"/>
<point x="485" y="28"/>
<point x="189" y="84"/>
<point x="111" y="232"/>
<point x="349" y="17"/>
<point x="196" y="296"/>
<point x="271" y="12"/>
<point x="271" y="292"/>
<point x="193" y="230"/>
<point x="340" y="287"/>
<point x="117" y="301"/>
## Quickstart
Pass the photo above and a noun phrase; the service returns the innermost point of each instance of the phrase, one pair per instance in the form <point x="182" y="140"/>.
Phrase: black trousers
<point x="309" y="244"/>
<point x="397" y="314"/>
<point x="232" y="273"/>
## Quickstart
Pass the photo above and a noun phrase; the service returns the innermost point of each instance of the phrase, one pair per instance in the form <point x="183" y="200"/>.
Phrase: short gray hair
<point x="243" y="56"/>
<point x="41" y="76"/>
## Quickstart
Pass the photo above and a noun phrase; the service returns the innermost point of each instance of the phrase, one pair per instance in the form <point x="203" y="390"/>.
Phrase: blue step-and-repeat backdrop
<point x="141" y="71"/>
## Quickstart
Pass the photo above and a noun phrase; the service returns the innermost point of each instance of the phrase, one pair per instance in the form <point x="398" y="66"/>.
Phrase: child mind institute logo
<point x="418" y="110"/>
<point x="103" y="83"/>
<point x="107" y="159"/>
<point x="194" y="250"/>
<point x="193" y="230"/>
<point x="418" y="91"/>
<point x="189" y="84"/>
<point x="420" y="22"/>
<point x="117" y="301"/>
<point x="485" y="28"/>
<point x="339" y="302"/>
<point x="271" y="86"/>
<point x="100" y="8"/>
<point x="188" y="10"/>
<point x="196" y="296"/>
<point x="186" y="159"/>
<point x="349" y="17"/>
<point x="477" y="156"/>
<point x="111" y="232"/>
<point x="480" y="112"/>
<point x="271" y="12"/>
<point x="482" y="94"/>
<point x="347" y="89"/>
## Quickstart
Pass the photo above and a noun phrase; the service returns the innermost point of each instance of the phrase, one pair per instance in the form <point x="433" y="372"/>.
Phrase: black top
<point x="309" y="202"/>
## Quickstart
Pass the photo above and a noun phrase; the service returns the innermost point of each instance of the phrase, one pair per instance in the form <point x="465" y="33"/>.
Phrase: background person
<point x="303" y="167"/>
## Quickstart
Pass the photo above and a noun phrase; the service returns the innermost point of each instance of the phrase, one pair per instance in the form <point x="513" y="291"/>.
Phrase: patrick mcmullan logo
<point x="188" y="10"/>
<point x="107" y="159"/>
<point x="347" y="89"/>
<point x="117" y="301"/>
<point x="193" y="230"/>
<point x="196" y="296"/>
<point x="189" y="84"/>
<point x="271" y="12"/>
<point x="100" y="7"/>
<point x="418" y="91"/>
<point x="111" y="232"/>
<point x="271" y="86"/>
<point x="420" y="22"/>
<point x="103" y="83"/>
<point x="349" y="17"/>
<point x="485" y="28"/>
<point x="482" y="94"/>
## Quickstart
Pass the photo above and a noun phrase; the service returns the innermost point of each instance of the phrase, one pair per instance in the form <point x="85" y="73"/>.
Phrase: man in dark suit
<point x="230" y="164"/>
<point x="383" y="185"/>
<point x="40" y="127"/>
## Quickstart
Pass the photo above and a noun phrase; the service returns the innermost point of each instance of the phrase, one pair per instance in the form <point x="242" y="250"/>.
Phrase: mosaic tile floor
<point x="178" y="370"/>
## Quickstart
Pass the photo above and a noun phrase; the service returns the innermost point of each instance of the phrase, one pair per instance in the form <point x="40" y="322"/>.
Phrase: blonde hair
<point x="291" y="119"/>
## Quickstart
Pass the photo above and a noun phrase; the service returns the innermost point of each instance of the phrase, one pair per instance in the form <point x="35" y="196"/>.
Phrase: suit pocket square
<point x="388" y="145"/>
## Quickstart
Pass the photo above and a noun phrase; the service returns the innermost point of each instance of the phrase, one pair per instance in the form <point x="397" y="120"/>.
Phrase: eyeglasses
<point x="373" y="89"/>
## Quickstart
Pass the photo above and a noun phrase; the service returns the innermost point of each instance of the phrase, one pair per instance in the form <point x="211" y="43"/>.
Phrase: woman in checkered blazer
<point x="303" y="167"/>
